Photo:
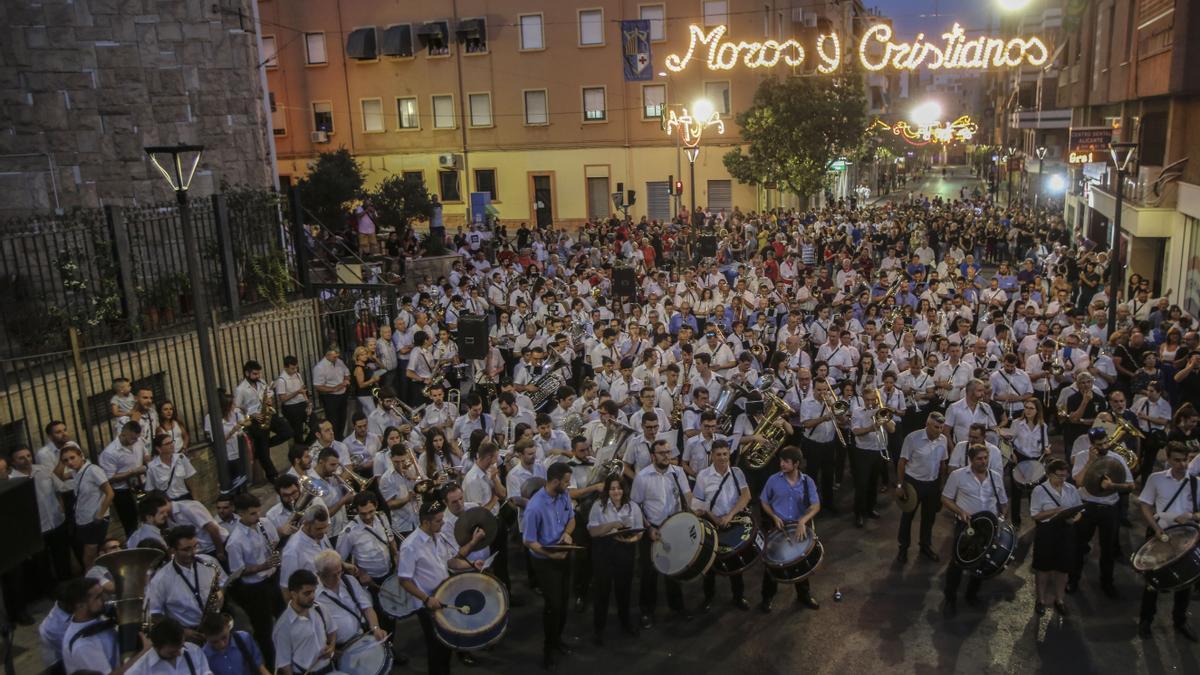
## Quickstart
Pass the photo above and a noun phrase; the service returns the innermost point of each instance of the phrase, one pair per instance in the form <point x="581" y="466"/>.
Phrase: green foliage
<point x="270" y="275"/>
<point x="397" y="202"/>
<point x="85" y="307"/>
<point x="797" y="127"/>
<point x="335" y="181"/>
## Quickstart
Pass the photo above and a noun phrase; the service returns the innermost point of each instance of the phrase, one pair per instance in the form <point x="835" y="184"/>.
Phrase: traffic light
<point x="678" y="188"/>
<point x="631" y="197"/>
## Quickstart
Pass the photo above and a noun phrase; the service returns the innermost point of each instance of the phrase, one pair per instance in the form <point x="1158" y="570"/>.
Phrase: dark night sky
<point x="933" y="16"/>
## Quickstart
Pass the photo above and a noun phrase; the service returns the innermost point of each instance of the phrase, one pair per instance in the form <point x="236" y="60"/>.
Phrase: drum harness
<point x="1188" y="481"/>
<point x="355" y="611"/>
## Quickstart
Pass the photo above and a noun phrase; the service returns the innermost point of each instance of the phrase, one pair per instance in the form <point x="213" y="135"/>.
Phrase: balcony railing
<point x="1059" y="118"/>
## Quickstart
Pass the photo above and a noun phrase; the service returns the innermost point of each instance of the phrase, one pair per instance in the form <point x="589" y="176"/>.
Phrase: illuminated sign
<point x="1088" y="144"/>
<point x="876" y="51"/>
<point x="960" y="130"/>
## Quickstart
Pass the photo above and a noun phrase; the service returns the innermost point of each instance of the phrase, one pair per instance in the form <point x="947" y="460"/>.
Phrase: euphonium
<point x="758" y="454"/>
<point x="131" y="570"/>
<point x="352" y="480"/>
<point x="310" y="489"/>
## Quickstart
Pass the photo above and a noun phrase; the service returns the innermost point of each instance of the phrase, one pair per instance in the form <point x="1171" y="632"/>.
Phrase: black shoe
<point x="859" y="522"/>
<point x="808" y="601"/>
<point x="580" y="605"/>
<point x="563" y="649"/>
<point x="515" y="600"/>
<point x="1186" y="631"/>
<point x="741" y="604"/>
<point x="1111" y="591"/>
<point x="548" y="660"/>
<point x="902" y="555"/>
<point x="466" y="658"/>
<point x="765" y="606"/>
<point x="1061" y="608"/>
<point x="949" y="608"/>
<point x="399" y="658"/>
<point x="874" y="514"/>
<point x="1039" y="608"/>
<point x="930" y="555"/>
<point x="647" y="622"/>
<point x="1144" y="631"/>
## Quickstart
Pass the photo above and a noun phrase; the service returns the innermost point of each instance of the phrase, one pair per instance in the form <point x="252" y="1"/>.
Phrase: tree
<point x="398" y="201"/>
<point x="335" y="181"/>
<point x="797" y="127"/>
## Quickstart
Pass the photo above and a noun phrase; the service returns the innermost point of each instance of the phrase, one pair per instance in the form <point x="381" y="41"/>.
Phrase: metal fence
<point x="119" y="274"/>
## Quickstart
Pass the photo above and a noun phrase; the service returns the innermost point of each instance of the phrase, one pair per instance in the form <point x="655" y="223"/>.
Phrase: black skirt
<point x="1054" y="547"/>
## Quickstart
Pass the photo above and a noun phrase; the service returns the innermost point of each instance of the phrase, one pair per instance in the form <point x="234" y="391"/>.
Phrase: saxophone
<point x="212" y="605"/>
<point x="266" y="409"/>
<point x="758" y="454"/>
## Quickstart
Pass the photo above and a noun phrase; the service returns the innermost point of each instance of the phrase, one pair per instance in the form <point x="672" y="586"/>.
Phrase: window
<point x="443" y="112"/>
<point x="593" y="104"/>
<point x="269" y="56"/>
<point x="656" y="15"/>
<point x="314" y="48"/>
<point x="591" y="27"/>
<point x="531" y="32"/>
<point x="372" y="112"/>
<point x="406" y="112"/>
<point x="323" y="116"/>
<point x="717" y="93"/>
<point x="481" y="109"/>
<point x="716" y="13"/>
<point x="472" y="33"/>
<point x="278" y="117"/>
<point x="448" y="186"/>
<point x="436" y="37"/>
<point x="654" y="97"/>
<point x="397" y="41"/>
<point x="485" y="181"/>
<point x="417" y="177"/>
<point x="536" y="110"/>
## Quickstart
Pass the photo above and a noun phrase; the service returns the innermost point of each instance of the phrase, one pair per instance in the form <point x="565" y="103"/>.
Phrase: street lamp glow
<point x="926" y="114"/>
<point x="703" y="109"/>
<point x="1056" y="183"/>
<point x="1013" y="5"/>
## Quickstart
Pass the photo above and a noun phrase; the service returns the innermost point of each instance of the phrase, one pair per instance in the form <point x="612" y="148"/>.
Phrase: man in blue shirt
<point x="549" y="521"/>
<point x="789" y="496"/>
<point x="230" y="652"/>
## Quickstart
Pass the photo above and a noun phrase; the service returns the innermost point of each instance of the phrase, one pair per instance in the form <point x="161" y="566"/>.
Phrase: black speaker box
<point x="624" y="282"/>
<point x="472" y="336"/>
<point x="708" y="246"/>
<point x="19" y="522"/>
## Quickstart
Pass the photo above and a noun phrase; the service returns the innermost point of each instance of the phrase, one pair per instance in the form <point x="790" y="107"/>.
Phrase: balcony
<point x="1040" y="119"/>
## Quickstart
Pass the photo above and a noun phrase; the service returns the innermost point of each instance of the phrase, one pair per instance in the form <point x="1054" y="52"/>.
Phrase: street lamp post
<point x="1012" y="152"/>
<point x="1122" y="157"/>
<point x="177" y="164"/>
<point x="1041" y="155"/>
<point x="689" y="127"/>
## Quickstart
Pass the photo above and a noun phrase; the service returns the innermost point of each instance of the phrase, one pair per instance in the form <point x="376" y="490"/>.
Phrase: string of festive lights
<point x="690" y="128"/>
<point x="960" y="130"/>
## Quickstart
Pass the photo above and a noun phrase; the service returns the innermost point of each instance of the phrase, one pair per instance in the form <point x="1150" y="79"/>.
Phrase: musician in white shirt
<point x="721" y="493"/>
<point x="660" y="490"/>
<point x="1170" y="498"/>
<point x="182" y="588"/>
<point x="169" y="472"/>
<point x="969" y="491"/>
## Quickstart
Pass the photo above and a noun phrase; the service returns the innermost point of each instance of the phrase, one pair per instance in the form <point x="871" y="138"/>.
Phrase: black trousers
<point x="868" y="465"/>
<point x="648" y="593"/>
<point x="280" y="431"/>
<point x="1178" y="610"/>
<point x="125" y="505"/>
<point x="1148" y="454"/>
<point x="1104" y="521"/>
<point x="581" y="561"/>
<point x="820" y="462"/>
<point x="297" y="418"/>
<point x="555" y="579"/>
<point x="954" y="574"/>
<point x="262" y="602"/>
<point x="737" y="585"/>
<point x="612" y="571"/>
<point x="769" y="585"/>
<point x="500" y="548"/>
<point x="929" y="501"/>
<point x="334" y="406"/>
<point x="436" y="653"/>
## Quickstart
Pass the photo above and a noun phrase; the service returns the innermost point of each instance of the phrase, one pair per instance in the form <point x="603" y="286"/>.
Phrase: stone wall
<point x="86" y="84"/>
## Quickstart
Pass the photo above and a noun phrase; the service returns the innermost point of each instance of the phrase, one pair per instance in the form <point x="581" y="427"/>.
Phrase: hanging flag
<point x="635" y="49"/>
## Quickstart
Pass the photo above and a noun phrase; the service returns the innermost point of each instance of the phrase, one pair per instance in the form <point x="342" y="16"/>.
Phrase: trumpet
<point x="351" y="480"/>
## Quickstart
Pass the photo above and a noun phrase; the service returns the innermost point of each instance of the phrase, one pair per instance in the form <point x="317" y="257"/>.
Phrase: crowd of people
<point x="755" y="372"/>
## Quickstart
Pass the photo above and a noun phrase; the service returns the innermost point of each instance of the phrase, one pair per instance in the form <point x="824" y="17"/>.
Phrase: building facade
<point x="86" y="84"/>
<point x="524" y="100"/>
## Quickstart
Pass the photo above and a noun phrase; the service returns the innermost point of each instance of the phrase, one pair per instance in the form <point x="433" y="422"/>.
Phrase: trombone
<point x="840" y="409"/>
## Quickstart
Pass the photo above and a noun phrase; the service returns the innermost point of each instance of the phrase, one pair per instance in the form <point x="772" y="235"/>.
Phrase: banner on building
<point x="479" y="206"/>
<point x="635" y="49"/>
<point x="1088" y="144"/>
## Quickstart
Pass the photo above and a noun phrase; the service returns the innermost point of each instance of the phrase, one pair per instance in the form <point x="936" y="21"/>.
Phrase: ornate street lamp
<point x="1122" y="158"/>
<point x="689" y="128"/>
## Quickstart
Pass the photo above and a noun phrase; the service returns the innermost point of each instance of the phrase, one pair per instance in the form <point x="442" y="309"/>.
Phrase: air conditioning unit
<point x="448" y="161"/>
<point x="319" y="137"/>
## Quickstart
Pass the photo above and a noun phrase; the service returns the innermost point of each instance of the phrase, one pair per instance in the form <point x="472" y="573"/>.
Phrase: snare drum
<point x="738" y="545"/>
<point x="475" y="614"/>
<point x="1173" y="564"/>
<point x="1028" y="474"/>
<point x="789" y="559"/>
<point x="686" y="547"/>
<point x="364" y="655"/>
<point x="985" y="552"/>
<point x="395" y="601"/>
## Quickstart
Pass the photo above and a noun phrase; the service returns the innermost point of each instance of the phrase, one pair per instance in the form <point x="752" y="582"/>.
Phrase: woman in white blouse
<point x="1030" y="438"/>
<point x="1054" y="541"/>
<point x="169" y="472"/>
<point x="612" y="560"/>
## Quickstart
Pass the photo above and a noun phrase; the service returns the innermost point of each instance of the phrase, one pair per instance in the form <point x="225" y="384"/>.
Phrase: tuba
<point x="310" y="490"/>
<point x="758" y="454"/>
<point x="547" y="383"/>
<point x="130" y="570"/>
<point x="616" y="435"/>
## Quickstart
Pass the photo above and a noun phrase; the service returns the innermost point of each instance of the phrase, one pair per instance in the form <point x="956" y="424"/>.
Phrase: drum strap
<point x="191" y="666"/>
<point x="713" y="499"/>
<point x="1051" y="496"/>
<point x="679" y="491"/>
<point x="391" y="553"/>
<point x="1182" y="484"/>
<point x="995" y="491"/>
<point x="352" y="611"/>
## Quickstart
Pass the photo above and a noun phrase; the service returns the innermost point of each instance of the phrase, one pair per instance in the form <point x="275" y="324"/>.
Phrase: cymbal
<point x="561" y="548"/>
<point x="471" y="519"/>
<point x="909" y="503"/>
<point x="1098" y="470"/>
<point x="530" y="487"/>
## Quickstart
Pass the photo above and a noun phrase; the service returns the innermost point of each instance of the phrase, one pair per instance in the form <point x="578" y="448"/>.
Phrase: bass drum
<point x="1172" y="564"/>
<point x="789" y="559"/>
<point x="475" y="614"/>
<point x="984" y="547"/>
<point x="686" y="547"/>
<point x="1028" y="474"/>
<point x="395" y="601"/>
<point x="738" y="545"/>
<point x="364" y="655"/>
